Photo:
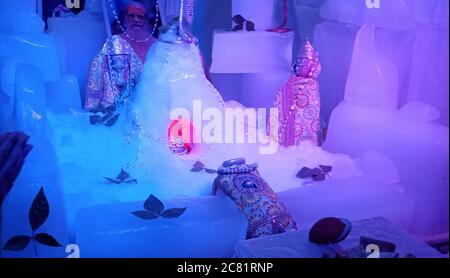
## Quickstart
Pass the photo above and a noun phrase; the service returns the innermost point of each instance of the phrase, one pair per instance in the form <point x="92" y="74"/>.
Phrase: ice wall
<point x="209" y="227"/>
<point x="412" y="35"/>
<point x="29" y="61"/>
<point x="418" y="146"/>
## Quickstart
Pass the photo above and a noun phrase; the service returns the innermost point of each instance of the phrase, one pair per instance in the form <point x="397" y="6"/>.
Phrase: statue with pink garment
<point x="298" y="101"/>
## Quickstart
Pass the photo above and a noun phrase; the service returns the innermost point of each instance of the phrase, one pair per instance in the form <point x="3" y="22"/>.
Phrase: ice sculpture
<point x="372" y="79"/>
<point x="409" y="33"/>
<point x="391" y="14"/>
<point x="30" y="103"/>
<point x="209" y="227"/>
<point x="85" y="31"/>
<point x="417" y="146"/>
<point x="20" y="16"/>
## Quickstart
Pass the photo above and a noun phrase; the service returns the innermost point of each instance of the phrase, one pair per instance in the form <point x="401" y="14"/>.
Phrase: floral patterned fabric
<point x="266" y="214"/>
<point x="104" y="86"/>
<point x="298" y="105"/>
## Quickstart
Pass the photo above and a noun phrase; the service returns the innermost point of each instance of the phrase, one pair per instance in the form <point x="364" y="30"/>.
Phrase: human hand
<point x="13" y="151"/>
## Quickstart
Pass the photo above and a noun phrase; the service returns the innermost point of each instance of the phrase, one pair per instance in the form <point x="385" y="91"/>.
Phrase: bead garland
<point x="239" y="169"/>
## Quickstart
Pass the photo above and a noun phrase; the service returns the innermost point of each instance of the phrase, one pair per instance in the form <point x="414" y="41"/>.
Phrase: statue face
<point x="135" y="17"/>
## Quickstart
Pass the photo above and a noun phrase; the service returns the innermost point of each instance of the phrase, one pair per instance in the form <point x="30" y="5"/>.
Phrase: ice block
<point x="209" y="227"/>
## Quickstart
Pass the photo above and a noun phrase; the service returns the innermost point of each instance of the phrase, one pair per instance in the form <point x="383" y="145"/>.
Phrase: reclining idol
<point x="243" y="184"/>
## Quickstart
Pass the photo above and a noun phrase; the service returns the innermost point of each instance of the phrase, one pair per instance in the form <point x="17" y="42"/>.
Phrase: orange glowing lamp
<point x="181" y="134"/>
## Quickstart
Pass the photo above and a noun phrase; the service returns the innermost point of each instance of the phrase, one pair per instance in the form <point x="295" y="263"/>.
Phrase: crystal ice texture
<point x="209" y="227"/>
<point x="372" y="79"/>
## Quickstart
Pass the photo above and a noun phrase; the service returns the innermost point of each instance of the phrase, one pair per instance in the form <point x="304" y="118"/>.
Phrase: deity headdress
<point x="308" y="64"/>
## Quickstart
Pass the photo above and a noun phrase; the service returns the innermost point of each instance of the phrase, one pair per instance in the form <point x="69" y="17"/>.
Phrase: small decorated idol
<point x="298" y="101"/>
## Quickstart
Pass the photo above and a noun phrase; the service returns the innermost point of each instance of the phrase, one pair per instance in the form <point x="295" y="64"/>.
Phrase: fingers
<point x="27" y="149"/>
<point x="6" y="146"/>
<point x="11" y="168"/>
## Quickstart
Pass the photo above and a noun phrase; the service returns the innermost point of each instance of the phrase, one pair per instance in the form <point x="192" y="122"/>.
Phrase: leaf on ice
<point x="39" y="210"/>
<point x="326" y="169"/>
<point x="250" y="26"/>
<point x="145" y="214"/>
<point x="112" y="181"/>
<point x="238" y="27"/>
<point x="304" y="173"/>
<point x="123" y="175"/>
<point x="47" y="240"/>
<point x="17" y="243"/>
<point x="210" y="171"/>
<point x="173" y="212"/>
<point x="154" y="205"/>
<point x="238" y="19"/>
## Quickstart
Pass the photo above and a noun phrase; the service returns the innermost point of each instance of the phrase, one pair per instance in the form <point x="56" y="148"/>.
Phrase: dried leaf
<point x="112" y="181"/>
<point x="173" y="212"/>
<point x="325" y="168"/>
<point x="304" y="173"/>
<point x="250" y="26"/>
<point x="238" y="27"/>
<point x="154" y="205"/>
<point x="198" y="164"/>
<point x="145" y="214"/>
<point x="132" y="181"/>
<point x="238" y="19"/>
<point x="17" y="243"/>
<point x="39" y="210"/>
<point x="197" y="167"/>
<point x="47" y="240"/>
<point x="210" y="171"/>
<point x="123" y="175"/>
<point x="319" y="177"/>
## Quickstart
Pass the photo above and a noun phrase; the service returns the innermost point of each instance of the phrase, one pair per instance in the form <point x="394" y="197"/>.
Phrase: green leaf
<point x="17" y="243"/>
<point x="197" y="167"/>
<point x="145" y="214"/>
<point x="304" y="173"/>
<point x="154" y="205"/>
<point x="123" y="175"/>
<point x="319" y="177"/>
<point x="325" y="168"/>
<point x="112" y="181"/>
<point x="238" y="19"/>
<point x="250" y="26"/>
<point x="238" y="27"/>
<point x="47" y="240"/>
<point x="39" y="210"/>
<point x="173" y="213"/>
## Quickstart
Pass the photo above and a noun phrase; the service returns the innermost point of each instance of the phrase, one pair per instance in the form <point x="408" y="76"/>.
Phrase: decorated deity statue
<point x="298" y="101"/>
<point x="114" y="72"/>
